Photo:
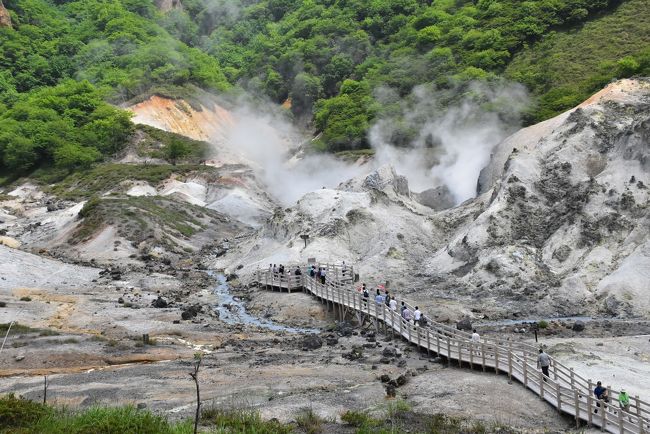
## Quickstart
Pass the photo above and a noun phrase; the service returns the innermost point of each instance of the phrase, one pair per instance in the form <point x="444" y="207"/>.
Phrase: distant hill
<point x="324" y="60"/>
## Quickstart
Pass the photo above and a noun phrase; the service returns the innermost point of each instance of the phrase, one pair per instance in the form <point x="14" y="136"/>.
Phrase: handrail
<point x="564" y="388"/>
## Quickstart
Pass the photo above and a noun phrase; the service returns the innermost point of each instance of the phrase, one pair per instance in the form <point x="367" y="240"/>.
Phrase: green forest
<point x="66" y="65"/>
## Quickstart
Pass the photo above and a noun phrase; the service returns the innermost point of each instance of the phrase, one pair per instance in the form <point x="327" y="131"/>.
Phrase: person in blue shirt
<point x="601" y="394"/>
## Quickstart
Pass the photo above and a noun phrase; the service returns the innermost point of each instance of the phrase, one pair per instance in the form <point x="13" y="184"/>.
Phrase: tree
<point x="176" y="149"/>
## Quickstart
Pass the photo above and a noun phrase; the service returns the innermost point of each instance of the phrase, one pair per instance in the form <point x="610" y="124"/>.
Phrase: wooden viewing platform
<point x="564" y="389"/>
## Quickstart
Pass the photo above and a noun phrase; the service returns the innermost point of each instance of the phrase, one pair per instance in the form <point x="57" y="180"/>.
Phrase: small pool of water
<point x="509" y="322"/>
<point x="232" y="310"/>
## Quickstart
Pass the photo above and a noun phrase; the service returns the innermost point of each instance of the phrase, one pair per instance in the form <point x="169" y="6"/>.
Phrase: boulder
<point x="578" y="326"/>
<point x="159" y="303"/>
<point x="464" y="324"/>
<point x="311" y="342"/>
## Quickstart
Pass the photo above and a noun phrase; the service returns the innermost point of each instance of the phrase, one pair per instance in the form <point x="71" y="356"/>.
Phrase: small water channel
<point x="510" y="322"/>
<point x="232" y="310"/>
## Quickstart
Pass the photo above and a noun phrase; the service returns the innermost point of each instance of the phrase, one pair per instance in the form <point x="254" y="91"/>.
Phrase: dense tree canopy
<point x="330" y="58"/>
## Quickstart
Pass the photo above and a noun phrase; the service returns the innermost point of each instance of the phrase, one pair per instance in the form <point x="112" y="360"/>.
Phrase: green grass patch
<point x="102" y="178"/>
<point x="542" y="324"/>
<point x="20" y="328"/>
<point x="141" y="218"/>
<point x="26" y="417"/>
<point x="241" y="420"/>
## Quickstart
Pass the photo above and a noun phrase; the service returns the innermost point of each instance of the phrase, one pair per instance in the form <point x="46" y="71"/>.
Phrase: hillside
<point x="568" y="65"/>
<point x="336" y="67"/>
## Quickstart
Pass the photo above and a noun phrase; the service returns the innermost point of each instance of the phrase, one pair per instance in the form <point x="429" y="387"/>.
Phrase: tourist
<point x="624" y="400"/>
<point x="366" y="295"/>
<point x="322" y="276"/>
<point x="379" y="299"/>
<point x="298" y="272"/>
<point x="312" y="271"/>
<point x="393" y="304"/>
<point x="601" y="395"/>
<point x="543" y="362"/>
<point x="275" y="269"/>
<point x="417" y="315"/>
<point x="476" y="338"/>
<point x="387" y="299"/>
<point x="344" y="269"/>
<point x="402" y="308"/>
<point x="407" y="314"/>
<point x="281" y="269"/>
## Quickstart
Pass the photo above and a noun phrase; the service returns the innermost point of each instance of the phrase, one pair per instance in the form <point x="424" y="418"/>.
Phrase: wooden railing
<point x="567" y="391"/>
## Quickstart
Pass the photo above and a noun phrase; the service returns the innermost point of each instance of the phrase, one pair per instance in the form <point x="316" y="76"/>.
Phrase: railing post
<point x="448" y="352"/>
<point x="621" y="429"/>
<point x="589" y="413"/>
<point x="460" y="354"/>
<point x="559" y="397"/>
<point x="471" y="355"/>
<point x="483" y="356"/>
<point x="510" y="364"/>
<point x="438" y="342"/>
<point x="428" y="343"/>
<point x="541" y="384"/>
<point x="571" y="373"/>
<point x="525" y="370"/>
<point x="603" y="416"/>
<point x="408" y="325"/>
<point x="576" y="402"/>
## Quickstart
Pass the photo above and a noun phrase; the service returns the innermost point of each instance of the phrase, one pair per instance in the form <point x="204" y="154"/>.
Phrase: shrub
<point x="542" y="324"/>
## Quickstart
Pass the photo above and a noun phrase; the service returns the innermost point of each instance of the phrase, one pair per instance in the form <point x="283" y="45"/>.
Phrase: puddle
<point x="232" y="310"/>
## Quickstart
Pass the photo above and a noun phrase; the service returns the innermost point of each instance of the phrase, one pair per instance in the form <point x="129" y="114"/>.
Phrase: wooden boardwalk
<point x="564" y="389"/>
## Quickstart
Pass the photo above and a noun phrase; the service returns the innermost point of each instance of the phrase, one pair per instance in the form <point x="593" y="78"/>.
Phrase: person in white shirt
<point x="417" y="315"/>
<point x="476" y="339"/>
<point x="393" y="304"/>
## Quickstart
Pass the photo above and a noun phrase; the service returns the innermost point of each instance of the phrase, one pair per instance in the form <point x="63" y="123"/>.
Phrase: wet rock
<point x="191" y="312"/>
<point x="464" y="324"/>
<point x="391" y="391"/>
<point x="384" y="378"/>
<point x="578" y="326"/>
<point x="401" y="380"/>
<point x="141" y="406"/>
<point x="159" y="303"/>
<point x="120" y="300"/>
<point x="389" y="352"/>
<point x="331" y="340"/>
<point x="311" y="342"/>
<point x="401" y="363"/>
<point x="385" y="360"/>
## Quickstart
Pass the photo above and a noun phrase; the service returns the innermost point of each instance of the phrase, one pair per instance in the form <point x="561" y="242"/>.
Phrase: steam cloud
<point x="451" y="146"/>
<point x="267" y="140"/>
<point x="444" y="147"/>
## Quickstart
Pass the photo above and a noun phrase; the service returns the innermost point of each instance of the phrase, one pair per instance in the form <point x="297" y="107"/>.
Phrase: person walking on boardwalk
<point x="417" y="315"/>
<point x="322" y="276"/>
<point x="543" y="362"/>
<point x="379" y="299"/>
<point x="624" y="401"/>
<point x="393" y="304"/>
<point x="387" y="299"/>
<point x="366" y="295"/>
<point x="601" y="395"/>
<point x="298" y="272"/>
<point x="407" y="314"/>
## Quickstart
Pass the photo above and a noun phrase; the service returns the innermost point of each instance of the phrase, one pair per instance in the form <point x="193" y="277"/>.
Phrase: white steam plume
<point x="451" y="146"/>
<point x="266" y="140"/>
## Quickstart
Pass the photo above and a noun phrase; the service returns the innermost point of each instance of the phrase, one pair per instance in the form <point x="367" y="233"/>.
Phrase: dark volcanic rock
<point x="159" y="303"/>
<point x="464" y="324"/>
<point x="578" y="326"/>
<point x="311" y="342"/>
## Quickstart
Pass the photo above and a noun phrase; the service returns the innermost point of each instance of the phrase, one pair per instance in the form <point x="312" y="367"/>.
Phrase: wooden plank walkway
<point x="564" y="389"/>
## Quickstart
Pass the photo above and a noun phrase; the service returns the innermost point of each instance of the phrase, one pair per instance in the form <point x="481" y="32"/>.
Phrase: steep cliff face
<point x="5" y="18"/>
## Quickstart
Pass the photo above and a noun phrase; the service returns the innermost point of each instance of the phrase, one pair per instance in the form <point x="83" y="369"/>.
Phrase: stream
<point x="509" y="322"/>
<point x="232" y="310"/>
